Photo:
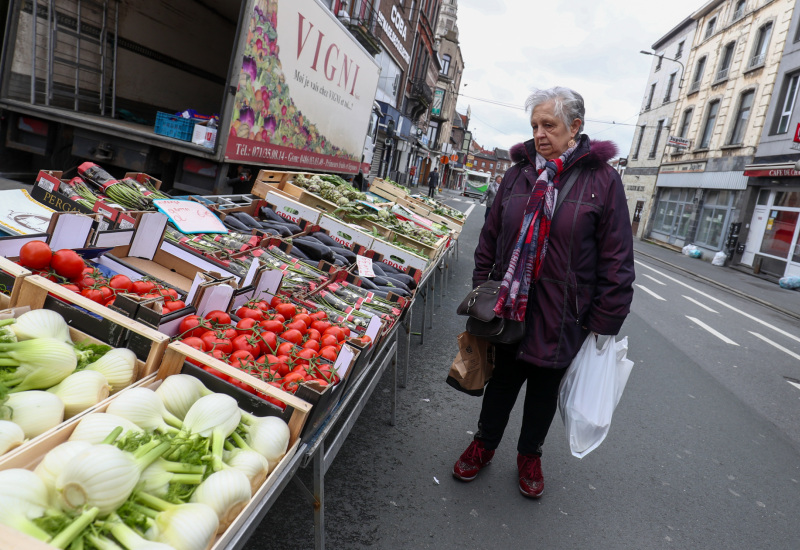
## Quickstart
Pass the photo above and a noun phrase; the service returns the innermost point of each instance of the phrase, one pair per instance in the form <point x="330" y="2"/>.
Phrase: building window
<point x="708" y="129"/>
<point x="760" y="46"/>
<point x="445" y="64"/>
<point x="668" y="95"/>
<point x="491" y="165"/>
<point x="680" y="50"/>
<point x="635" y="154"/>
<point x="710" y="27"/>
<point x="742" y="114"/>
<point x="787" y="99"/>
<point x="658" y="63"/>
<point x="778" y="236"/>
<point x="725" y="62"/>
<point x="650" y="97"/>
<point x="433" y="131"/>
<point x="738" y="11"/>
<point x="687" y="119"/>
<point x="698" y="75"/>
<point x="674" y="209"/>
<point x="654" y="148"/>
<point x="711" y="225"/>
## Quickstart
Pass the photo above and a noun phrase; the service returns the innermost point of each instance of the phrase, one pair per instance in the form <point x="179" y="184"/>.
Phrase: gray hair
<point x="568" y="103"/>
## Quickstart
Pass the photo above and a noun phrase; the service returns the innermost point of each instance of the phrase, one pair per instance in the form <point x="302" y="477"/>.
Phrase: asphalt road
<point x="703" y="452"/>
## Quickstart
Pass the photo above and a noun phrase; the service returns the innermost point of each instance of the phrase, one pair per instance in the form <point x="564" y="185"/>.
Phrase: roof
<point x="680" y="27"/>
<point x="502" y="154"/>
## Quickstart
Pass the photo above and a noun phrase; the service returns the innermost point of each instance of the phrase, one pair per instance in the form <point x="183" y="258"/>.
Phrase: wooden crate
<point x="148" y="343"/>
<point x="11" y="276"/>
<point x="428" y="251"/>
<point x="386" y="189"/>
<point x="13" y="540"/>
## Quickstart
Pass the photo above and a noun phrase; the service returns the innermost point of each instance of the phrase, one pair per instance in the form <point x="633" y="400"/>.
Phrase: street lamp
<point x="683" y="69"/>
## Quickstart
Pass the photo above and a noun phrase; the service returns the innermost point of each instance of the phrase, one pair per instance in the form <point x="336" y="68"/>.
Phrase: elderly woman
<point x="565" y="256"/>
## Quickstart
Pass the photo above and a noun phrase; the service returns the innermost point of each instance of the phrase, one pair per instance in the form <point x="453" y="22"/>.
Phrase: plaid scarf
<point x="531" y="248"/>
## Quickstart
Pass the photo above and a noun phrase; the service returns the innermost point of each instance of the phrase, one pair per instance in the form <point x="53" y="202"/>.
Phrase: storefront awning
<point x="736" y="181"/>
<point x="779" y="170"/>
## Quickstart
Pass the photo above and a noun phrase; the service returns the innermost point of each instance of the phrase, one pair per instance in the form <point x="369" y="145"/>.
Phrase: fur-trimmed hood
<point x="600" y="152"/>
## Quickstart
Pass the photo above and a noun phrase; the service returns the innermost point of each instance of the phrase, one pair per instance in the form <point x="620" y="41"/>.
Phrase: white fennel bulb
<point x="23" y="497"/>
<point x="81" y="390"/>
<point x="185" y="527"/>
<point x="129" y="538"/>
<point x="11" y="436"/>
<point x="41" y="323"/>
<point x="251" y="463"/>
<point x="215" y="416"/>
<point x="227" y="492"/>
<point x="34" y="411"/>
<point x="179" y="392"/>
<point x="53" y="462"/>
<point x="269" y="436"/>
<point x="95" y="427"/>
<point x="144" y="408"/>
<point x="41" y="363"/>
<point x="119" y="367"/>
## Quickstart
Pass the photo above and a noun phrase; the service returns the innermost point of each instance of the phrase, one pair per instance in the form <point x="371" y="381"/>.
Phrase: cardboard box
<point x="398" y="257"/>
<point x="203" y="135"/>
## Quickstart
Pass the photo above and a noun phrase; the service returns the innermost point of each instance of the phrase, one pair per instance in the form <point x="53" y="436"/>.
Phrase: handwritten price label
<point x="190" y="217"/>
<point x="364" y="266"/>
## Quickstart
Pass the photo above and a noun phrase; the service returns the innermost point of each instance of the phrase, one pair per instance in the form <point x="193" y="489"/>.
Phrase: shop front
<point x="695" y="207"/>
<point x="772" y="246"/>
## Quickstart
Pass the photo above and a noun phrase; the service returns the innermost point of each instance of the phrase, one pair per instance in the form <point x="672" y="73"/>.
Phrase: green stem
<point x="65" y="537"/>
<point x="102" y="543"/>
<point x="146" y="448"/>
<point x="182" y="467"/>
<point x="149" y="512"/>
<point x="217" y="446"/>
<point x="7" y="362"/>
<point x="77" y="544"/>
<point x="187" y="479"/>
<point x="112" y="437"/>
<point x="241" y="443"/>
<point x="5" y="322"/>
<point x="150" y="457"/>
<point x="154" y="502"/>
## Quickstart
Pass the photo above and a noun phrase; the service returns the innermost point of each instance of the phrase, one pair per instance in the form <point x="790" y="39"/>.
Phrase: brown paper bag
<point x="472" y="367"/>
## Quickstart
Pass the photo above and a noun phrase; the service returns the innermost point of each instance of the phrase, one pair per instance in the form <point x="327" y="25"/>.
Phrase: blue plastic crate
<point x="174" y="126"/>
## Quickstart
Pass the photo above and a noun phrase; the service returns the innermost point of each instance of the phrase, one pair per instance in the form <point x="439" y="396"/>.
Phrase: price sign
<point x="364" y="266"/>
<point x="190" y="217"/>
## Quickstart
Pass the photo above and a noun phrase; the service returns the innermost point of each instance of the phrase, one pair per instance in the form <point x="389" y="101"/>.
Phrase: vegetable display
<point x="140" y="487"/>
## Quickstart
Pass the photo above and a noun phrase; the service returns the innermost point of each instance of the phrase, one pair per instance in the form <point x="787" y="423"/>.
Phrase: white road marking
<point x="719" y="335"/>
<point x="739" y="311"/>
<point x="469" y="210"/>
<point x="651" y="293"/>
<point x="699" y="304"/>
<point x="796" y="385"/>
<point x="775" y="344"/>
<point x="654" y="279"/>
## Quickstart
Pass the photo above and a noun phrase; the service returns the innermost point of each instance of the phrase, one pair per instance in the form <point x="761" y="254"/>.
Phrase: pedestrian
<point x="567" y="272"/>
<point x="489" y="195"/>
<point x="433" y="181"/>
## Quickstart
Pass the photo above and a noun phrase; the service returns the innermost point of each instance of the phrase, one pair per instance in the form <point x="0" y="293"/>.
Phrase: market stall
<point x="287" y="305"/>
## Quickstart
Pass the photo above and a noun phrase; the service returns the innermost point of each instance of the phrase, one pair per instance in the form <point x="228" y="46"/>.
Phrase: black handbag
<point x="479" y="303"/>
<point x="482" y="321"/>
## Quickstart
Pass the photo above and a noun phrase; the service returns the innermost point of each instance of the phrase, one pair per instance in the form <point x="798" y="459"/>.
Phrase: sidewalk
<point x="749" y="286"/>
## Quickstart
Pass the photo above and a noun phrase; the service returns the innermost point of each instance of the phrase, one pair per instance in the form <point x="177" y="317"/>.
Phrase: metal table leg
<point x="407" y="327"/>
<point x="319" y="497"/>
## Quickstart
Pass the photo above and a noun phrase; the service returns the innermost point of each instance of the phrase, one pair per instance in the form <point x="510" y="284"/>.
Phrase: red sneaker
<point x="471" y="461"/>
<point x="531" y="480"/>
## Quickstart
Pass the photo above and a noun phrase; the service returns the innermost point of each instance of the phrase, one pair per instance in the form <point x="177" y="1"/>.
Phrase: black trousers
<point x="432" y="191"/>
<point x="541" y="401"/>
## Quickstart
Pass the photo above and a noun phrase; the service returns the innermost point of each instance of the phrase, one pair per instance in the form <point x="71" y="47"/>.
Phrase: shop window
<point x="763" y="197"/>
<point x="787" y="199"/>
<point x="711" y="225"/>
<point x="779" y="233"/>
<point x="673" y="212"/>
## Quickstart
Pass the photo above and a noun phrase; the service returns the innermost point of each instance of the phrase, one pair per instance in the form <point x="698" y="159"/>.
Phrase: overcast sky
<point x="591" y="46"/>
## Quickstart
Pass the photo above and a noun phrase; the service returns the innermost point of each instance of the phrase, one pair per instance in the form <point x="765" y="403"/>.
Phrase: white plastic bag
<point x="590" y="391"/>
<point x="719" y="258"/>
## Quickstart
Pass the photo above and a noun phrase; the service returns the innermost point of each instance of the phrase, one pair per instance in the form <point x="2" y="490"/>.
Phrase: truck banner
<point x="305" y="91"/>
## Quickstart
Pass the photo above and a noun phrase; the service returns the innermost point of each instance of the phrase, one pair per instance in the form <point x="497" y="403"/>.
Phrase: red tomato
<point x="335" y="331"/>
<point x="192" y="325"/>
<point x="319" y="315"/>
<point x="329" y="352"/>
<point x="294" y="336"/>
<point x="321" y="326"/>
<point x="67" y="263"/>
<point x="174" y="305"/>
<point x="313" y="334"/>
<point x="287" y="310"/>
<point x="245" y="312"/>
<point x="195" y="342"/>
<point x="311" y="344"/>
<point x="241" y="358"/>
<point x="278" y="317"/>
<point x="365" y="340"/>
<point x="171" y="292"/>
<point x="218" y="317"/>
<point x="120" y="283"/>
<point x="293" y="377"/>
<point x="305" y="317"/>
<point x="215" y="372"/>
<point x="243" y="342"/>
<point x="275" y="301"/>
<point x="215" y="342"/>
<point x="307" y="354"/>
<point x="272" y="325"/>
<point x="93" y="294"/>
<point x="286" y="348"/>
<point x="142" y="287"/>
<point x="218" y="354"/>
<point x="328" y="340"/>
<point x="268" y="342"/>
<point x="245" y="326"/>
<point x="35" y="255"/>
<point x="106" y="292"/>
<point x="299" y="326"/>
<point x="260" y="304"/>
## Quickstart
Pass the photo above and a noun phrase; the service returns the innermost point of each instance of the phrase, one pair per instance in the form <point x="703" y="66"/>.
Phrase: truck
<point x="198" y="94"/>
<point x="476" y="183"/>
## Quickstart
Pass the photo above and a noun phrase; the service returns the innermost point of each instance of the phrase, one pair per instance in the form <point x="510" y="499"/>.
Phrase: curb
<point x="723" y="286"/>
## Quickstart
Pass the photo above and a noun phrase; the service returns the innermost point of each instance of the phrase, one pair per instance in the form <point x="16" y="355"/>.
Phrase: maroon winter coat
<point x="587" y="276"/>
